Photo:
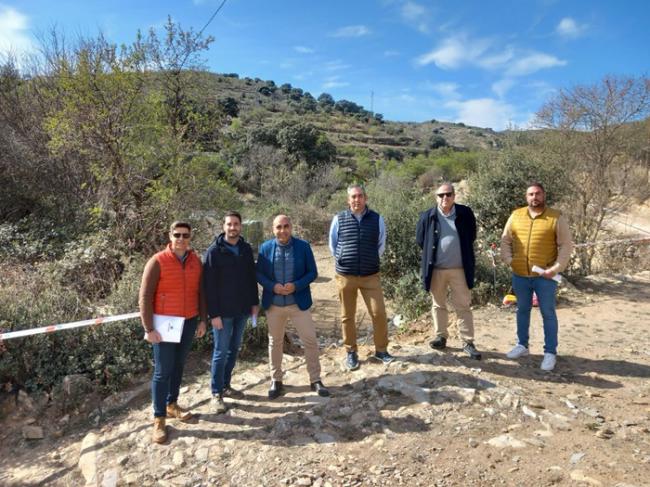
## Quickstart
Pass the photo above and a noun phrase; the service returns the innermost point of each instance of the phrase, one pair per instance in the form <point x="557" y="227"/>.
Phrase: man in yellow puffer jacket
<point x="536" y="236"/>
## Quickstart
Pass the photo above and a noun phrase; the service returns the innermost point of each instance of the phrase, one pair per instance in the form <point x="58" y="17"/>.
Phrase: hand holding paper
<point x="557" y="277"/>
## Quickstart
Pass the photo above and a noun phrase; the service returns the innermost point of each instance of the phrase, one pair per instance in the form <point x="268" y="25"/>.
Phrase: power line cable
<point x="211" y="18"/>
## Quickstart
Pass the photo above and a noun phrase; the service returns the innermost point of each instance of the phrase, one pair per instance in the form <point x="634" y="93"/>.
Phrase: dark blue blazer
<point x="304" y="272"/>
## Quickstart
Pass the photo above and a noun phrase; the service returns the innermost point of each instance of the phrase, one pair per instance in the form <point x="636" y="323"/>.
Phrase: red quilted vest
<point x="177" y="293"/>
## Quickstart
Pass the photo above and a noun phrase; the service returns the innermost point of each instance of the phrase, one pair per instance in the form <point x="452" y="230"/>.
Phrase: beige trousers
<point x="276" y="319"/>
<point x="373" y="296"/>
<point x="461" y="300"/>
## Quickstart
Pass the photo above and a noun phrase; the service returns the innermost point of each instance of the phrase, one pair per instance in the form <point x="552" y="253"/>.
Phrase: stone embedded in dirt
<point x="304" y="481"/>
<point x="324" y="438"/>
<point x="110" y="478"/>
<point x="32" y="432"/>
<point x="555" y="421"/>
<point x="132" y="479"/>
<point x="528" y="412"/>
<point x="178" y="459"/>
<point x="506" y="441"/>
<point x="576" y="457"/>
<point x="543" y="433"/>
<point x="121" y="399"/>
<point x="88" y="458"/>
<point x="202" y="454"/>
<point x="579" y="476"/>
<point x="539" y="443"/>
<point x="391" y="383"/>
<point x="606" y="433"/>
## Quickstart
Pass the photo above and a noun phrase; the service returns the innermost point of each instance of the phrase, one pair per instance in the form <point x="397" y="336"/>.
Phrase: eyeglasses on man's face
<point x="448" y="195"/>
<point x="179" y="235"/>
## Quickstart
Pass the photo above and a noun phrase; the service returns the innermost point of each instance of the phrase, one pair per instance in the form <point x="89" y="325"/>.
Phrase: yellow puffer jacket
<point x="533" y="240"/>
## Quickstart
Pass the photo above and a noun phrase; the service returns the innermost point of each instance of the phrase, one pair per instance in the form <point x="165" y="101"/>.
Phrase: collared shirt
<point x="448" y="255"/>
<point x="334" y="233"/>
<point x="283" y="269"/>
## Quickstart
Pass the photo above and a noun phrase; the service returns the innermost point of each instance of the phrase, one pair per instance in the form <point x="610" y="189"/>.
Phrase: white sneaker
<point x="548" y="363"/>
<point x="518" y="351"/>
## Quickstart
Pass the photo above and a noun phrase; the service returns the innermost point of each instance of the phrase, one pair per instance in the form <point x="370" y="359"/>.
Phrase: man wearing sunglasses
<point x="446" y="235"/>
<point x="231" y="295"/>
<point x="171" y="286"/>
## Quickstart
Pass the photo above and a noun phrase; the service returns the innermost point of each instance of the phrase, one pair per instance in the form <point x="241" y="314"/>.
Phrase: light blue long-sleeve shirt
<point x="334" y="233"/>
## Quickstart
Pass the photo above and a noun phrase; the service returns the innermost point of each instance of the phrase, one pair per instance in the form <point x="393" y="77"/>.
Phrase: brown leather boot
<point x="159" y="431"/>
<point x="175" y="411"/>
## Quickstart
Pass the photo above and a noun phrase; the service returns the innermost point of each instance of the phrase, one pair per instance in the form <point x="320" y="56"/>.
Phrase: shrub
<point x="400" y="204"/>
<point x="498" y="186"/>
<point x="436" y="141"/>
<point x="110" y="354"/>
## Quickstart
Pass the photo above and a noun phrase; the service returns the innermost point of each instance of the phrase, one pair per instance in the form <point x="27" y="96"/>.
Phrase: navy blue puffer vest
<point x="357" y="251"/>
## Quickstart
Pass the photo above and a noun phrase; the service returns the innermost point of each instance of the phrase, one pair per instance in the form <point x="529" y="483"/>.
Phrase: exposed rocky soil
<point x="430" y="418"/>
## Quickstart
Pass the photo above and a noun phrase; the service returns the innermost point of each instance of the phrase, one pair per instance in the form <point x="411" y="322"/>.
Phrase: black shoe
<point x="228" y="391"/>
<point x="385" y="357"/>
<point x="470" y="350"/>
<point x="352" y="362"/>
<point x="276" y="389"/>
<point x="319" y="388"/>
<point x="439" y="343"/>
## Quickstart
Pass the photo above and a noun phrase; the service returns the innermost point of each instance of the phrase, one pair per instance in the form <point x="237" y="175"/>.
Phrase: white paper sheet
<point x="169" y="327"/>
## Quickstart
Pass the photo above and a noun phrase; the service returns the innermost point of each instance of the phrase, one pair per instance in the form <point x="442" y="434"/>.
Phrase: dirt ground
<point x="429" y="418"/>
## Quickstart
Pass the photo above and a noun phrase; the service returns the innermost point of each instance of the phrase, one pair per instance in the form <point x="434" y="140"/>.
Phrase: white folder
<point x="169" y="327"/>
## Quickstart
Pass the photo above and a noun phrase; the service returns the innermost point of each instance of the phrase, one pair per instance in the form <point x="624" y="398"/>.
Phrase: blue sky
<point x="490" y="64"/>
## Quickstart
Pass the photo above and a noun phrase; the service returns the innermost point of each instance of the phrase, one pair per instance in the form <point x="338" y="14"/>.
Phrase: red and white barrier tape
<point x="617" y="241"/>
<point x="67" y="326"/>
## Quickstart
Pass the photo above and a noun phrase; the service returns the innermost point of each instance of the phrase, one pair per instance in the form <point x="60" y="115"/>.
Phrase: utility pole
<point x="372" y="103"/>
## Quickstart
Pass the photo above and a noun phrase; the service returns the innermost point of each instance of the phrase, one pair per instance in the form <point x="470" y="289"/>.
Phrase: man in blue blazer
<point x="285" y="269"/>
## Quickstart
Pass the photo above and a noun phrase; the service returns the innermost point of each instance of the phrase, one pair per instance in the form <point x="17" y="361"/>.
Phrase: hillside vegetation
<point x="101" y="146"/>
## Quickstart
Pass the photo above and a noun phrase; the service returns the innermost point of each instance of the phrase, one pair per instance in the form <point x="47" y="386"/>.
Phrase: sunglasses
<point x="181" y="235"/>
<point x="448" y="195"/>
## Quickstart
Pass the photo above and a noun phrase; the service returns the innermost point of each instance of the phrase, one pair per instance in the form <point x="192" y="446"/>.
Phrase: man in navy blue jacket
<point x="285" y="269"/>
<point x="446" y="235"/>
<point x="231" y="295"/>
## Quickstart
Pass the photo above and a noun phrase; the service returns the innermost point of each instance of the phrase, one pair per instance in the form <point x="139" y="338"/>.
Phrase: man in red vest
<point x="171" y="286"/>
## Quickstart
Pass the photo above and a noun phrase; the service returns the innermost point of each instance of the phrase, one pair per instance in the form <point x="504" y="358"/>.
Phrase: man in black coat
<point x="446" y="235"/>
<point x="231" y="293"/>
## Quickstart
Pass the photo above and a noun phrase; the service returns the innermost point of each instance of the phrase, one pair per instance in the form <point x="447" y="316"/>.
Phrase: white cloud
<point x="459" y="51"/>
<point x="391" y="53"/>
<point x="569" y="28"/>
<point x="303" y="49"/>
<point x="496" y="60"/>
<point x="351" y="31"/>
<point x="455" y="52"/>
<point x="532" y="63"/>
<point x="447" y="90"/>
<point x="415" y="15"/>
<point x="14" y="36"/>
<point x="335" y="65"/>
<point x="334" y="82"/>
<point x="328" y="85"/>
<point x="484" y="112"/>
<point x="502" y="86"/>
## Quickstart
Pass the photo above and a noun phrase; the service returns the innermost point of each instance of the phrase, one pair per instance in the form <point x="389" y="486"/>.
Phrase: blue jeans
<point x="226" y="348"/>
<point x="169" y="361"/>
<point x="545" y="290"/>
